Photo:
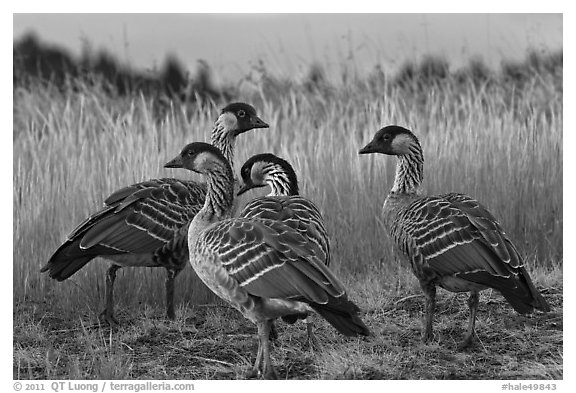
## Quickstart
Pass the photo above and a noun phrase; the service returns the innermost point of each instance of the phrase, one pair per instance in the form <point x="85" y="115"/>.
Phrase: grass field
<point x="500" y="142"/>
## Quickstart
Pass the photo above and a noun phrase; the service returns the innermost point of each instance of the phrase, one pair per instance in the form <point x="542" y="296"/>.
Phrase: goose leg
<point x="263" y="355"/>
<point x="264" y="334"/>
<point x="257" y="364"/>
<point x="311" y="342"/>
<point x="108" y="314"/>
<point x="170" y="278"/>
<point x="273" y="332"/>
<point x="473" y="301"/>
<point x="430" y="294"/>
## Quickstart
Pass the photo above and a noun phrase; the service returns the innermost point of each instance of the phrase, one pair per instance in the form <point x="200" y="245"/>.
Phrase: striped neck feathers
<point x="224" y="135"/>
<point x="219" y="200"/>
<point x="282" y="181"/>
<point x="409" y="170"/>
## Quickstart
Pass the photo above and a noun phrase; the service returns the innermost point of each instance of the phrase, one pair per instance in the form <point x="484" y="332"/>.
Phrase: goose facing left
<point x="262" y="267"/>
<point x="449" y="240"/>
<point x="285" y="204"/>
<point x="146" y="224"/>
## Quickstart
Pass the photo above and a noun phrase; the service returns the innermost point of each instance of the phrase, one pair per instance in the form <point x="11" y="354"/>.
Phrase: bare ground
<point x="216" y="342"/>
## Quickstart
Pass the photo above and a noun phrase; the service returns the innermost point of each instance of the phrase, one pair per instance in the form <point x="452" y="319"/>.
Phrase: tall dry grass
<point x="500" y="145"/>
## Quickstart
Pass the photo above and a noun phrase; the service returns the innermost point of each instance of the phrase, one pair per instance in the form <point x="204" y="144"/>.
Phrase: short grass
<point x="216" y="342"/>
<point x="497" y="142"/>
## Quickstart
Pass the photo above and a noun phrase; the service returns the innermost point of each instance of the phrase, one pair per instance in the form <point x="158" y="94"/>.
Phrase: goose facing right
<point x="146" y="224"/>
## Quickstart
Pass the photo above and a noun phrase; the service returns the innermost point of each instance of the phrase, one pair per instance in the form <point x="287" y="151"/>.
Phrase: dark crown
<point x="196" y="148"/>
<point x="236" y="106"/>
<point x="269" y="158"/>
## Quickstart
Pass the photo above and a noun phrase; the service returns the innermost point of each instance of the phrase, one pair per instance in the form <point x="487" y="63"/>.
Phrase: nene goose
<point x="284" y="204"/>
<point x="263" y="267"/>
<point x="146" y="224"/>
<point x="449" y="240"/>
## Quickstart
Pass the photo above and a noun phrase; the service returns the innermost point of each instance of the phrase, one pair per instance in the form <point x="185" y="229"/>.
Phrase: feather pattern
<point x="298" y="213"/>
<point x="284" y="202"/>
<point x="257" y="252"/>
<point x="453" y="235"/>
<point x="146" y="224"/>
<point x="450" y="240"/>
<point x="263" y="266"/>
<point x="140" y="219"/>
<point x="151" y="216"/>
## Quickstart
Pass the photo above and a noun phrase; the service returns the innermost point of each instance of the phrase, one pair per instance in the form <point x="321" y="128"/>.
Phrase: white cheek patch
<point x="202" y="161"/>
<point x="401" y="144"/>
<point x="257" y="174"/>
<point x="228" y="120"/>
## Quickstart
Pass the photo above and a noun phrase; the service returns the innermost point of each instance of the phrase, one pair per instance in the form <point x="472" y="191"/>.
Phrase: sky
<point x="288" y="43"/>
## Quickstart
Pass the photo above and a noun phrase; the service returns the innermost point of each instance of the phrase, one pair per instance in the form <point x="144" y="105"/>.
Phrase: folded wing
<point x="296" y="212"/>
<point x="270" y="259"/>
<point x="138" y="219"/>
<point x="456" y="236"/>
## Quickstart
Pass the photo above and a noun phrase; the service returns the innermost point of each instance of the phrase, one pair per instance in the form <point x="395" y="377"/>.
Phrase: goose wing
<point x="295" y="211"/>
<point x="137" y="219"/>
<point x="271" y="259"/>
<point x="454" y="235"/>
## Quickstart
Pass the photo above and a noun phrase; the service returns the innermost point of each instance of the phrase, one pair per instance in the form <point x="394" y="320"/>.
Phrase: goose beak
<point x="369" y="148"/>
<point x="243" y="189"/>
<point x="174" y="163"/>
<point x="257" y="122"/>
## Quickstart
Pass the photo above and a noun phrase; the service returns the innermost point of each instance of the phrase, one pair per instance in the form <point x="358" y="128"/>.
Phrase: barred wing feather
<point x="140" y="219"/>
<point x="456" y="236"/>
<point x="296" y="212"/>
<point x="271" y="259"/>
<point x="147" y="218"/>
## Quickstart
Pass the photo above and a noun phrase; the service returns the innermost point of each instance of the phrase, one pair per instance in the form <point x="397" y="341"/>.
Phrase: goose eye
<point x="241" y="113"/>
